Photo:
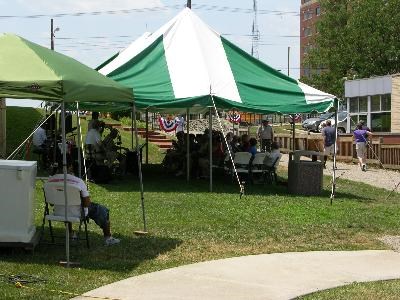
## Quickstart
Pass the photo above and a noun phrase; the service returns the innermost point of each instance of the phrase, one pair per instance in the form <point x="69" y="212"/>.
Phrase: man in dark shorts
<point x="329" y="136"/>
<point x="98" y="213"/>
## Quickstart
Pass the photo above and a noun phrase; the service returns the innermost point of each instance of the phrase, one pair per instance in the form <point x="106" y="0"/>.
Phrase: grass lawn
<point x="388" y="290"/>
<point x="187" y="224"/>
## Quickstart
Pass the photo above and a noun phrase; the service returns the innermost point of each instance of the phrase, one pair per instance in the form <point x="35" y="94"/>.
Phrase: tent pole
<point x="147" y="136"/>
<point x="333" y="192"/>
<point x="293" y="133"/>
<point x="140" y="173"/>
<point x="187" y="146"/>
<point x="3" y="133"/>
<point x="79" y="141"/>
<point x="64" y="157"/>
<point x="132" y="116"/>
<point x="210" y="146"/>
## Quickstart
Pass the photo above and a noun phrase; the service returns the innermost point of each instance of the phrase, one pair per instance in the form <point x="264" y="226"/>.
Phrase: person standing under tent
<point x="360" y="136"/>
<point x="180" y="121"/>
<point x="95" y="118"/>
<point x="329" y="136"/>
<point x="266" y="136"/>
<point x="39" y="139"/>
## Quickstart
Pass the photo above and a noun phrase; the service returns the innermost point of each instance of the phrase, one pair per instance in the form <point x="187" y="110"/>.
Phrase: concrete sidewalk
<point x="267" y="276"/>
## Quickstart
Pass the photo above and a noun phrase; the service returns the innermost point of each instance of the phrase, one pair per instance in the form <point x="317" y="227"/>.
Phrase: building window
<point x="354" y="105"/>
<point x="317" y="11"/>
<point x="363" y="104"/>
<point x="386" y="102"/>
<point x="375" y="103"/>
<point x="307" y="31"/>
<point x="308" y="15"/>
<point x="380" y="122"/>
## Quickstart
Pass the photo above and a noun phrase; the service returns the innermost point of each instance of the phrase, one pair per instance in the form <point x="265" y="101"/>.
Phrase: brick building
<point x="309" y="13"/>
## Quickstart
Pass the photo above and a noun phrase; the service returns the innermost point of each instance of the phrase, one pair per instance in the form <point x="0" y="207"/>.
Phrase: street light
<point x="52" y="34"/>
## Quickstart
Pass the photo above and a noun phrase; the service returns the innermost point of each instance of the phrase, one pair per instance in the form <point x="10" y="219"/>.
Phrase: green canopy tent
<point x="28" y="70"/>
<point x="187" y="65"/>
<point x="185" y="62"/>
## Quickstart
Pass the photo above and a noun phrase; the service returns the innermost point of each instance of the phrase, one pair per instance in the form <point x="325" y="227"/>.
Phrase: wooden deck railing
<point x="378" y="153"/>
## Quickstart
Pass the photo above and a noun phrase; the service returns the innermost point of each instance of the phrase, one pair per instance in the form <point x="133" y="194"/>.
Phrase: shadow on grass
<point x="155" y="180"/>
<point x="126" y="256"/>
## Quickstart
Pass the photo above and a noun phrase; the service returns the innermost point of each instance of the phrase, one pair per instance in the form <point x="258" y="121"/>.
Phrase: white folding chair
<point x="242" y="163"/>
<point x="270" y="171"/>
<point x="258" y="166"/>
<point x="54" y="195"/>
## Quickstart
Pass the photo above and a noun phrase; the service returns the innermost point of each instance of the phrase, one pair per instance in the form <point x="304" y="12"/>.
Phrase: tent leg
<point x="210" y="146"/>
<point x="293" y="134"/>
<point x="140" y="173"/>
<point x="78" y="122"/>
<point x="147" y="136"/>
<point x="133" y="116"/>
<point x="333" y="192"/>
<point x="187" y="146"/>
<point x="64" y="157"/>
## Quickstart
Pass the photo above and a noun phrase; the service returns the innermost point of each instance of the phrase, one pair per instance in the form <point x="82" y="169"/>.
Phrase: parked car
<point x="312" y="124"/>
<point x="342" y="122"/>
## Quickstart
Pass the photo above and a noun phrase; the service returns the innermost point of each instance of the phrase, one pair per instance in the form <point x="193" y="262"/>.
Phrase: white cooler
<point x="17" y="200"/>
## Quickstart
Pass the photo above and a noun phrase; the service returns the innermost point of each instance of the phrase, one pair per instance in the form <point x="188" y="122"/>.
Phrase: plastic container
<point x="17" y="200"/>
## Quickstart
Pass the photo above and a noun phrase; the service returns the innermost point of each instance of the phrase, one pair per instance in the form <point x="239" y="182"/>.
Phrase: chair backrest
<point x="276" y="162"/>
<point x="259" y="159"/>
<point x="242" y="158"/>
<point x="54" y="193"/>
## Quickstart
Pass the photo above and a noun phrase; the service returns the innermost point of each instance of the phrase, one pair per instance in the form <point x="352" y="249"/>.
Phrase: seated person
<point x="111" y="150"/>
<point x="253" y="147"/>
<point x="93" y="144"/>
<point x="245" y="145"/>
<point x="235" y="144"/>
<point x="98" y="213"/>
<point x="272" y="156"/>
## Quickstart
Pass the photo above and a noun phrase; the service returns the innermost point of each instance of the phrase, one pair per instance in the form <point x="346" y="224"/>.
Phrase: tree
<point x="356" y="39"/>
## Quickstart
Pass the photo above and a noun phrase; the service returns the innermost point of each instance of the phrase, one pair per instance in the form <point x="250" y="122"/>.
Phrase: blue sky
<point x="92" y="38"/>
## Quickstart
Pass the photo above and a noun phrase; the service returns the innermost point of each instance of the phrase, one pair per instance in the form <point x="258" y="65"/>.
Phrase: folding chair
<point x="242" y="163"/>
<point x="258" y="166"/>
<point x="54" y="195"/>
<point x="270" y="171"/>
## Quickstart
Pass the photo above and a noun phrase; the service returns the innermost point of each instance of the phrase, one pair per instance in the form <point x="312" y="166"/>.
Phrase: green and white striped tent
<point x="185" y="62"/>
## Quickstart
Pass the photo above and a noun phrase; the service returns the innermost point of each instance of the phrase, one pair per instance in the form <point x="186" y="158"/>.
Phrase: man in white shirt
<point x="273" y="156"/>
<point x="98" y="213"/>
<point x="266" y="135"/>
<point x="39" y="138"/>
<point x="93" y="143"/>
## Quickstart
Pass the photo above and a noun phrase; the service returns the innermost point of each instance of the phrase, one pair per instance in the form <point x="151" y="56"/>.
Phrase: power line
<point x="215" y="8"/>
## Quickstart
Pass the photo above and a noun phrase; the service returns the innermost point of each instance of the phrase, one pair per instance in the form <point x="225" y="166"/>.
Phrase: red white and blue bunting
<point x="167" y="125"/>
<point x="234" y="117"/>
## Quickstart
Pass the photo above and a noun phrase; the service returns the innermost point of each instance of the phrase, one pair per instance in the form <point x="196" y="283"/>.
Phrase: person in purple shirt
<point x="360" y="137"/>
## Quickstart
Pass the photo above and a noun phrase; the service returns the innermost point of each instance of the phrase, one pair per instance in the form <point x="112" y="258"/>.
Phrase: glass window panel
<point x="381" y="122"/>
<point x="375" y="103"/>
<point x="354" y="121"/>
<point x="386" y="102"/>
<point x="363" y="104"/>
<point x="353" y="105"/>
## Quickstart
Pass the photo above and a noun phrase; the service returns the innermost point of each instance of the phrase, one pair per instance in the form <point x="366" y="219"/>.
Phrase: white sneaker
<point x="111" y="241"/>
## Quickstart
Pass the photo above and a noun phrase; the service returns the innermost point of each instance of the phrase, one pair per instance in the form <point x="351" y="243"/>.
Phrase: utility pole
<point x="255" y="32"/>
<point x="288" y="61"/>
<point x="189" y="4"/>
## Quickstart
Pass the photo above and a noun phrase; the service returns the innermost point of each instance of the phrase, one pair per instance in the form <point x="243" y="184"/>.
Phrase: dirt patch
<point x="393" y="241"/>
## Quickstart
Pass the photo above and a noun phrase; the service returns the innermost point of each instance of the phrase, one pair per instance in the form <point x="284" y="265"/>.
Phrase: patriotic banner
<point x="167" y="125"/>
<point x="234" y="117"/>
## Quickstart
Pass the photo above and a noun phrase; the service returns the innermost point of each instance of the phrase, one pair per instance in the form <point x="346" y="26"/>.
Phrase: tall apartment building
<point x="309" y="13"/>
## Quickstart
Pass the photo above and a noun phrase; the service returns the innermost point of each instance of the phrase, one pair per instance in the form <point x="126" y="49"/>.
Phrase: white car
<point x="342" y="122"/>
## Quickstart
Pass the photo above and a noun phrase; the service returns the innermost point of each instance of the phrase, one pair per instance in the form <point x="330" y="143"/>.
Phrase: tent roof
<point x="185" y="62"/>
<point x="29" y="70"/>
